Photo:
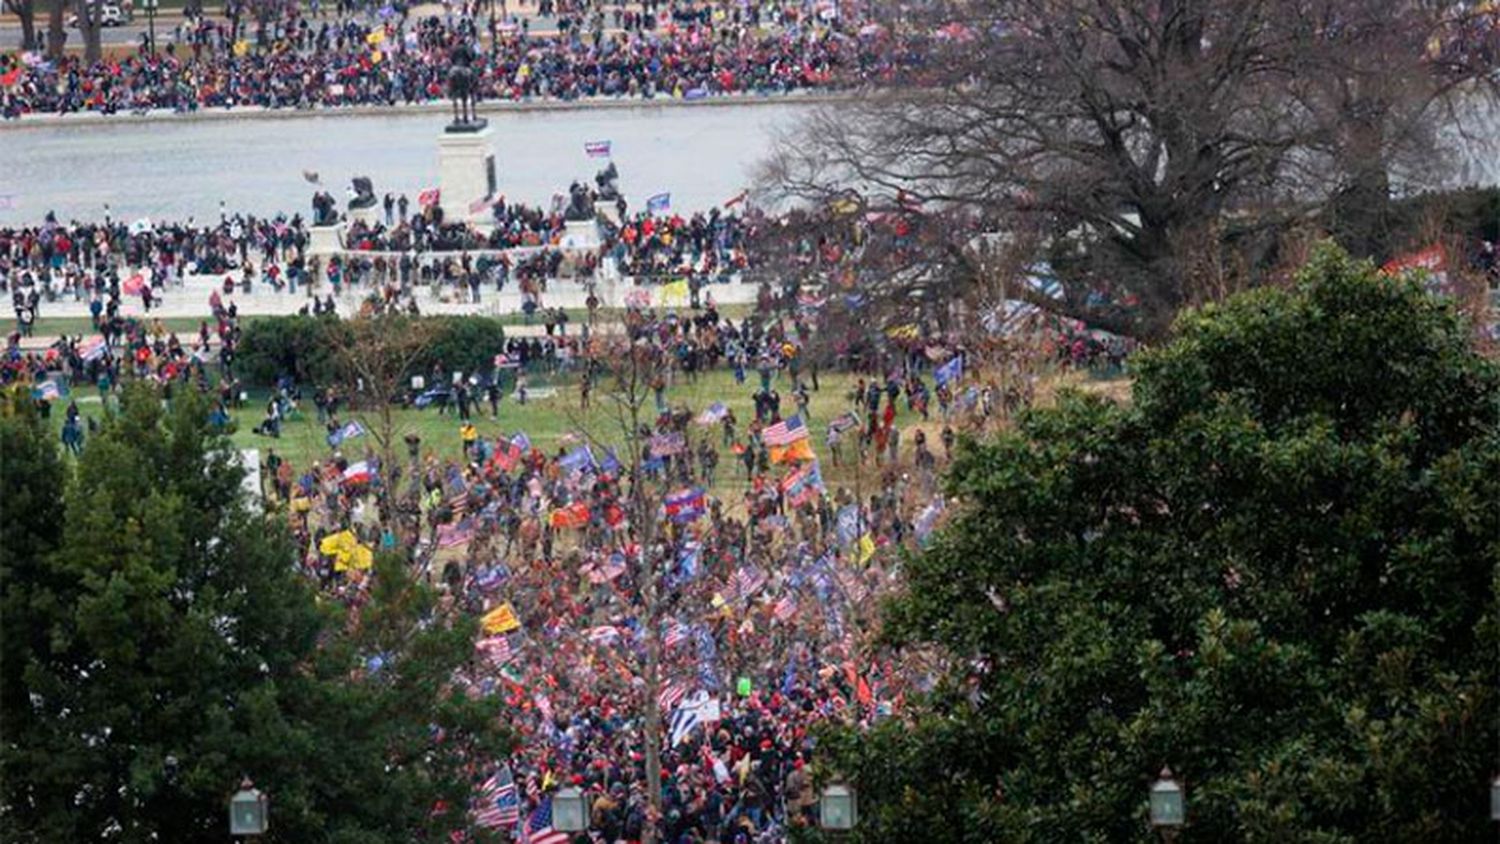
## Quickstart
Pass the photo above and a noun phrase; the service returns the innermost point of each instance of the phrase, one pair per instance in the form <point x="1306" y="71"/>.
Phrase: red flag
<point x="428" y="197"/>
<point x="574" y="515"/>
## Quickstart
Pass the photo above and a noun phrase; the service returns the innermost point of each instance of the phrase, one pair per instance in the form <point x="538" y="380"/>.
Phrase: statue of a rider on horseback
<point x="462" y="82"/>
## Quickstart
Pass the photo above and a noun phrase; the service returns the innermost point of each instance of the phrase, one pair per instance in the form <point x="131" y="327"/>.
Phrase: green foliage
<point x="464" y="343"/>
<point x="1274" y="571"/>
<point x="305" y="347"/>
<point x="300" y="346"/>
<point x="173" y="648"/>
<point x="31" y="488"/>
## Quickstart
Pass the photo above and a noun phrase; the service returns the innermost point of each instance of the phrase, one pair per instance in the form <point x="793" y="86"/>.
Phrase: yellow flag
<point x="866" y="549"/>
<point x="241" y="47"/>
<point x="675" y="293"/>
<point x="375" y="57"/>
<point x="362" y="558"/>
<point x="337" y="543"/>
<point x="375" y="37"/>
<point x="794" y="453"/>
<point x="501" y="619"/>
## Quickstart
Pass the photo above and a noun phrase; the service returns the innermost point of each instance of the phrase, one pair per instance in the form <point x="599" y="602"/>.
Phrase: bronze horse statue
<point x="461" y="85"/>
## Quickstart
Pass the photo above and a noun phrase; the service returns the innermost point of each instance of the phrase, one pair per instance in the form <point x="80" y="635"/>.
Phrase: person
<point x="273" y="467"/>
<point x="468" y="436"/>
<point x="270" y="426"/>
<point x="708" y="461"/>
<point x="492" y="394"/>
<point x="72" y="431"/>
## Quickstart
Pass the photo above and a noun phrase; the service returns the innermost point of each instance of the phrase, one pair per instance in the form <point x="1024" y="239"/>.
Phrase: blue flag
<point x="579" y="459"/>
<point x="949" y="371"/>
<point x="347" y="432"/>
<point x="659" y="204"/>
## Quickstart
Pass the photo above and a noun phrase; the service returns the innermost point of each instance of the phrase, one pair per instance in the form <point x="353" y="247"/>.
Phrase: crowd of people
<point x="392" y="255"/>
<point x="764" y="576"/>
<point x="298" y="60"/>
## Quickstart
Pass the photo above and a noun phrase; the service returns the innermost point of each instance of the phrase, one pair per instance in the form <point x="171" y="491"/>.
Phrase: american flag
<point x="495" y="650"/>
<point x="671" y="694"/>
<point x="785" y="432"/>
<point x="456" y="488"/>
<point x="604" y="634"/>
<point x="784" y="608"/>
<point x="676" y="632"/>
<point x="499" y="804"/>
<point x="745" y="582"/>
<point x="539" y="827"/>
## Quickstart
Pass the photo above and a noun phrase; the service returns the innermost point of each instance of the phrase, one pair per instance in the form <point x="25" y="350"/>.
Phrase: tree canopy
<point x="1155" y="152"/>
<point x="160" y="643"/>
<point x="1274" y="570"/>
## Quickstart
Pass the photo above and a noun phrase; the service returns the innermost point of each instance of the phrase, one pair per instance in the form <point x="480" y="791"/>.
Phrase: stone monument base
<point x="370" y="215"/>
<point x="466" y="173"/>
<point x="580" y="234"/>
<point x="324" y="240"/>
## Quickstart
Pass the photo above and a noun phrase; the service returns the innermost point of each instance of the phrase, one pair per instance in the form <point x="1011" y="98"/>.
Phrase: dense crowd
<point x="102" y="262"/>
<point x="766" y="576"/>
<point x="765" y="595"/>
<point x="299" y="61"/>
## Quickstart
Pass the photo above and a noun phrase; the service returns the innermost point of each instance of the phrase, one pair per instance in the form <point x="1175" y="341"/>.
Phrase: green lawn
<point x="546" y="421"/>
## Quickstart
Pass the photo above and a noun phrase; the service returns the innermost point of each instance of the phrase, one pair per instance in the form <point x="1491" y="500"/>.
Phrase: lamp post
<point x="838" y="808"/>
<point x="249" y="811"/>
<point x="150" y="7"/>
<point x="1168" y="806"/>
<point x="570" y="810"/>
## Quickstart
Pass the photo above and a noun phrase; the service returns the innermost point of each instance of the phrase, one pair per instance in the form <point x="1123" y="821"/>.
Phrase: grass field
<point x="547" y="421"/>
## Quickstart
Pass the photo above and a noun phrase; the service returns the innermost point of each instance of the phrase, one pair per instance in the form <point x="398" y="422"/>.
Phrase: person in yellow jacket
<point x="469" y="435"/>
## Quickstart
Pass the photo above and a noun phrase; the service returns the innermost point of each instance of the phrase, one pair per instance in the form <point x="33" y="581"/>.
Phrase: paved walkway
<point x="190" y="300"/>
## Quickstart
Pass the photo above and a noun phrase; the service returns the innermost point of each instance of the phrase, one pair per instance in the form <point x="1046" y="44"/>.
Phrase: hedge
<point x="303" y="347"/>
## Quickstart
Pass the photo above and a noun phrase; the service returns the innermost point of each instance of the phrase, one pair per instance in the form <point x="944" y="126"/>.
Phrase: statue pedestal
<point x="608" y="210"/>
<point x="370" y="216"/>
<point x="466" y="172"/>
<point x="324" y="240"/>
<point x="580" y="234"/>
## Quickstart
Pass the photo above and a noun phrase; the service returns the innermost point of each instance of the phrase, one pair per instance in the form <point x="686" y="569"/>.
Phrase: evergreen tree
<point x="178" y="649"/>
<point x="1275" y="571"/>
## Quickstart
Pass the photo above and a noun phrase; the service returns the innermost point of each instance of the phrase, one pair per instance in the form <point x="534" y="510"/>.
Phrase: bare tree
<point x="25" y="12"/>
<point x="1123" y="135"/>
<point x="57" y="33"/>
<point x="376" y="355"/>
<point x="90" y="15"/>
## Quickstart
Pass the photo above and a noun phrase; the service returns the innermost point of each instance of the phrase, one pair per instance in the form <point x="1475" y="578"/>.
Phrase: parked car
<point x="110" y="14"/>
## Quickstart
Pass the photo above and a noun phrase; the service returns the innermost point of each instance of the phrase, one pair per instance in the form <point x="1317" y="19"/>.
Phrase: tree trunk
<point x="25" y="11"/>
<point x="653" y="690"/>
<point x="57" y="33"/>
<point x="88" y="19"/>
